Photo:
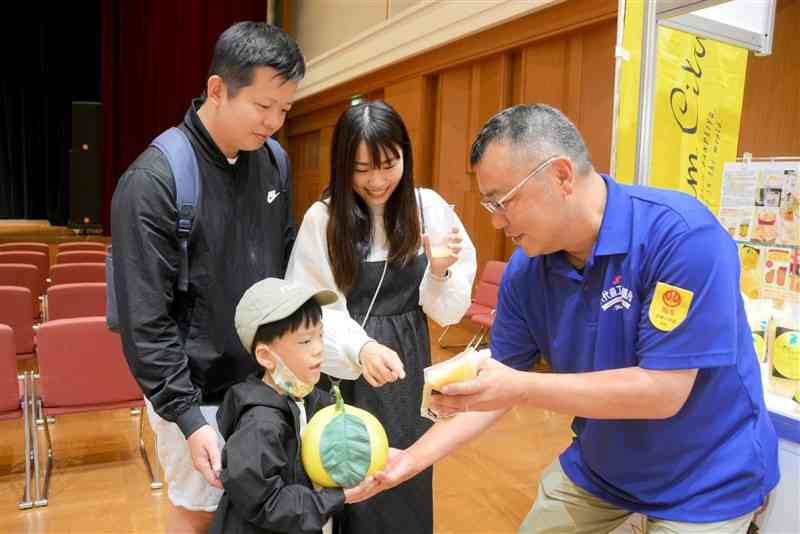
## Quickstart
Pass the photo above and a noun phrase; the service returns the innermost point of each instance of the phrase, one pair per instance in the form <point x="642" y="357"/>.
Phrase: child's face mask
<point x="285" y="379"/>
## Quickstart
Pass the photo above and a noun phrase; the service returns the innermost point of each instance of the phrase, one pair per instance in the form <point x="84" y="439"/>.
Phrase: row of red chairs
<point x="64" y="301"/>
<point x="42" y="261"/>
<point x="25" y="269"/>
<point x="44" y="247"/>
<point x="81" y="369"/>
<point x="72" y="252"/>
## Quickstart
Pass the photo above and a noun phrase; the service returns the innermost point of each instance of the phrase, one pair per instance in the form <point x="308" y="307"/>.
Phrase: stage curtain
<point x="155" y="59"/>
<point x="34" y="119"/>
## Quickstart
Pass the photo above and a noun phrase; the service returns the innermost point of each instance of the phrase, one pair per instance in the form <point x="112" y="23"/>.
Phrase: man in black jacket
<point x="181" y="346"/>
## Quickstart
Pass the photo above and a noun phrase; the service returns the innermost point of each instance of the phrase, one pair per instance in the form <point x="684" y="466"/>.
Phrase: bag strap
<point x="337" y="381"/>
<point x="386" y="263"/>
<point x="174" y="144"/>
<point x="421" y="211"/>
<point x="279" y="157"/>
<point x="377" y="290"/>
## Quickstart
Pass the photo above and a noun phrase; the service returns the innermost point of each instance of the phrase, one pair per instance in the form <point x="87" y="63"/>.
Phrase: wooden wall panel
<point x="544" y="73"/>
<point x="468" y="96"/>
<point x="304" y="153"/>
<point x="575" y="73"/>
<point x="414" y="100"/>
<point x="771" y="109"/>
<point x="452" y="134"/>
<point x="596" y="91"/>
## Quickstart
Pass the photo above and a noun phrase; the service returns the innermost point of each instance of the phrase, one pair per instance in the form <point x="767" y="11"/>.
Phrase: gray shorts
<point x="186" y="487"/>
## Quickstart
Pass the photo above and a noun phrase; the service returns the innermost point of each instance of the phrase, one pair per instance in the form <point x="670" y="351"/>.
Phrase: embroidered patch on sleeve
<point x="669" y="306"/>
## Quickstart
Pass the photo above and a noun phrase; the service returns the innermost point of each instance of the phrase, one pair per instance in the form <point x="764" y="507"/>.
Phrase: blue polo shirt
<point x="660" y="291"/>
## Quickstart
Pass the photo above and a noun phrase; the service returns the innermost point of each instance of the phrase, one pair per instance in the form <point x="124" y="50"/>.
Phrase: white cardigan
<point x="444" y="301"/>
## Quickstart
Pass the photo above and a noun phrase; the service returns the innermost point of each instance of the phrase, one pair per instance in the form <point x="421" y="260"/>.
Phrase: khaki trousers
<point x="561" y="506"/>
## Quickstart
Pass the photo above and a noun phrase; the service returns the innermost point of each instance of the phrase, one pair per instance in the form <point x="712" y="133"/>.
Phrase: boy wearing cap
<point x="266" y="487"/>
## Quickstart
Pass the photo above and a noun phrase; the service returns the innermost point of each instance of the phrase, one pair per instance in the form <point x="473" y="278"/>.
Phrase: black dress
<point x="397" y="321"/>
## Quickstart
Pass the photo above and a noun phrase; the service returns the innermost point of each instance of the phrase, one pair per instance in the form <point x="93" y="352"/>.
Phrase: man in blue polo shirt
<point x="632" y="295"/>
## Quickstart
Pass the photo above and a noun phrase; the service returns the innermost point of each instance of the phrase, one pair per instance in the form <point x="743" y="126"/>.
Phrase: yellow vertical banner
<point x="697" y="109"/>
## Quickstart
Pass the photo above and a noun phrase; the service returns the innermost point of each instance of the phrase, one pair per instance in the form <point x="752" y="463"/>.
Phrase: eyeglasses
<point x="495" y="206"/>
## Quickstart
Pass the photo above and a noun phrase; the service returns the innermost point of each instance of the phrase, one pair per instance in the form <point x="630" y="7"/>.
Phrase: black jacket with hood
<point x="182" y="347"/>
<point x="266" y="488"/>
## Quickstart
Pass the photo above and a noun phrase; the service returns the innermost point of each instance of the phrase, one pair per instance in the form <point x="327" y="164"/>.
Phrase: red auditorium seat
<point x="82" y="369"/>
<point x="75" y="273"/>
<point x="66" y="301"/>
<point x="27" y="276"/>
<point x="16" y="313"/>
<point x="75" y="246"/>
<point x="81" y="256"/>
<point x="484" y="302"/>
<point x="14" y="404"/>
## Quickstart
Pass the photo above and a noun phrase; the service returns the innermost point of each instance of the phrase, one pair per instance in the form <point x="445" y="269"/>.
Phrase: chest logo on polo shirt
<point x="616" y="297"/>
<point x="669" y="306"/>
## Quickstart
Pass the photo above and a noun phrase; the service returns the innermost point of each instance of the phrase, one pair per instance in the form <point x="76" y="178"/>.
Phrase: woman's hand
<point x="380" y="364"/>
<point x="440" y="263"/>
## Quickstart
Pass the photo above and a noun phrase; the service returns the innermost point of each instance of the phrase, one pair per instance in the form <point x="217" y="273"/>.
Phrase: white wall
<point x="321" y="25"/>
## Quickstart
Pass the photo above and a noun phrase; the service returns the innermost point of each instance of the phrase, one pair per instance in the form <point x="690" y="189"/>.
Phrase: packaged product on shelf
<point x="794" y="277"/>
<point x="750" y="277"/>
<point x="784" y="351"/>
<point x="776" y="280"/>
<point x="759" y="313"/>
<point x="766" y="230"/>
<point x="789" y="210"/>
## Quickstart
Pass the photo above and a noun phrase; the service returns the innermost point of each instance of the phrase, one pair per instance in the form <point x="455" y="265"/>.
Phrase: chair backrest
<point x="75" y="246"/>
<point x="27" y="276"/>
<point x="65" y="301"/>
<point x="9" y="385"/>
<point x="81" y="365"/>
<point x="489" y="284"/>
<point x="493" y="271"/>
<point x="16" y="313"/>
<point x="26" y="246"/>
<point x="38" y="259"/>
<point x="76" y="273"/>
<point x="81" y="256"/>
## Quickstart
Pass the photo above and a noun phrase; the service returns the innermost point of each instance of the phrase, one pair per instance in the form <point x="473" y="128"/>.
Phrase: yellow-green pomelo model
<point x="786" y="355"/>
<point x="342" y="445"/>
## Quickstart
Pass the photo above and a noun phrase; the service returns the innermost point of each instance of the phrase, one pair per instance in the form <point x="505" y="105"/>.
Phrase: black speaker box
<point x="85" y="165"/>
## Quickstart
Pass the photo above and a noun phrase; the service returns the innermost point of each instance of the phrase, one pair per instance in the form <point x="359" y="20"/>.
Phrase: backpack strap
<point x="279" y="157"/>
<point x="174" y="144"/>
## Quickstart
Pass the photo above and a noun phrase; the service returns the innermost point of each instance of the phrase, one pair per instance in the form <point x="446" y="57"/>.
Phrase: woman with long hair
<point x="365" y="239"/>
